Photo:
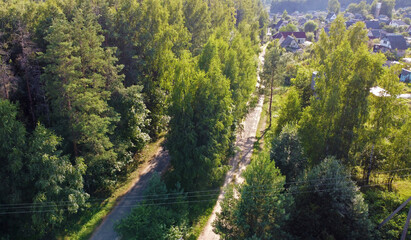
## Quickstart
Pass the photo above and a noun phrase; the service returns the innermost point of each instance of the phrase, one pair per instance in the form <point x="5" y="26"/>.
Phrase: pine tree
<point x="256" y="209"/>
<point x="77" y="78"/>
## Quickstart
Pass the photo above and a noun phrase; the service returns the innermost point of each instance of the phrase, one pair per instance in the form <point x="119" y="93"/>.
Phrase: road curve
<point x="106" y="229"/>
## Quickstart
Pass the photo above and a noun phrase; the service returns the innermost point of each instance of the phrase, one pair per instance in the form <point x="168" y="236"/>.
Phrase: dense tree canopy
<point x="256" y="209"/>
<point x="328" y="205"/>
<point x="85" y="85"/>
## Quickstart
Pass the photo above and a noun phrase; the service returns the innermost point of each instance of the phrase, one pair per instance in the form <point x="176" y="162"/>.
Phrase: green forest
<point x="335" y="156"/>
<point x="87" y="87"/>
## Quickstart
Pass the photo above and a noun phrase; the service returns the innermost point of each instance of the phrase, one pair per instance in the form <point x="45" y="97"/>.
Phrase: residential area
<point x="391" y="35"/>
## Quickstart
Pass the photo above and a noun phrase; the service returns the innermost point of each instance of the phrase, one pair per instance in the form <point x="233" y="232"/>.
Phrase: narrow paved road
<point x="106" y="229"/>
<point x="245" y="142"/>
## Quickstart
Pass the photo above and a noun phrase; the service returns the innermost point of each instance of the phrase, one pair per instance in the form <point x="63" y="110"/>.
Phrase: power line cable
<point x="259" y="193"/>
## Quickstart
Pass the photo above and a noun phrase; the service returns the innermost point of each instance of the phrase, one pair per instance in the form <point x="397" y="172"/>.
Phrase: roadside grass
<point x="86" y="222"/>
<point x="403" y="187"/>
<point x="200" y="213"/>
<point x="264" y="133"/>
<point x="400" y="186"/>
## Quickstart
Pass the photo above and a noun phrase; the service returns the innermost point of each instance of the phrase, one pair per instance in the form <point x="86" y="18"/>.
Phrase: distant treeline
<point x="309" y="5"/>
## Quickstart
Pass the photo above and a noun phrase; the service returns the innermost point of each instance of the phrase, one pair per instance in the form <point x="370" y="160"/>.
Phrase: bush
<point x="257" y="209"/>
<point x="151" y="219"/>
<point x="328" y="205"/>
<point x="287" y="153"/>
<point x="381" y="205"/>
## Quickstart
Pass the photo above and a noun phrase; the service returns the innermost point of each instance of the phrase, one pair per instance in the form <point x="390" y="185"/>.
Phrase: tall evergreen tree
<point x="77" y="78"/>
<point x="198" y="22"/>
<point x="200" y="126"/>
<point x="256" y="209"/>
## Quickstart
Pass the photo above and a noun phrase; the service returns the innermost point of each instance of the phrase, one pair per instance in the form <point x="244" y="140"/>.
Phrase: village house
<point x="384" y="18"/>
<point x="300" y="37"/>
<point x="302" y="21"/>
<point x="351" y="22"/>
<point x="290" y="44"/>
<point x="405" y="76"/>
<point x="376" y="33"/>
<point x="359" y="16"/>
<point x="331" y="17"/>
<point x="392" y="42"/>
<point x="397" y="23"/>
<point x="348" y="15"/>
<point x="280" y="24"/>
<point x="372" y="24"/>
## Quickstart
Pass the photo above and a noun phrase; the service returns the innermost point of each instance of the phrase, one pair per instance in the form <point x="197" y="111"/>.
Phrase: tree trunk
<point x="370" y="166"/>
<point x="390" y="180"/>
<point x="73" y="135"/>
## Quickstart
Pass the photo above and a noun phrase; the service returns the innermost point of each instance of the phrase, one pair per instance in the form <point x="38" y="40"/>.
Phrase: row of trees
<point x="360" y="6"/>
<point x="335" y="112"/>
<point x="323" y="204"/>
<point x="387" y="7"/>
<point x="329" y="127"/>
<point x="86" y="84"/>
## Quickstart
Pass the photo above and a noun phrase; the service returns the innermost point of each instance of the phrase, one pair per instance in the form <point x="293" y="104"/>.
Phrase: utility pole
<point x="407" y="222"/>
<point x="271" y="97"/>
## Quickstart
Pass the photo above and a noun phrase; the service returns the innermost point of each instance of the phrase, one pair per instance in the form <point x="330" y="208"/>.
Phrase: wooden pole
<point x="407" y="223"/>
<point x="395" y="212"/>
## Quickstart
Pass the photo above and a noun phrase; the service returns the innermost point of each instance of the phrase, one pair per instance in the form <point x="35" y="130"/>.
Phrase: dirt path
<point x="106" y="229"/>
<point x="245" y="142"/>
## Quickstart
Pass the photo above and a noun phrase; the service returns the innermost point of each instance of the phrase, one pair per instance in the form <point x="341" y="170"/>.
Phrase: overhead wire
<point x="178" y="194"/>
<point x="276" y="190"/>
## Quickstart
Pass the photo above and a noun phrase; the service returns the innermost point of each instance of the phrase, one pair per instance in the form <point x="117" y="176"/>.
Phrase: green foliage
<point x="12" y="150"/>
<point x="78" y="86"/>
<point x="387" y="6"/>
<point x="55" y="181"/>
<point x="289" y="28"/>
<point x="383" y="130"/>
<point x="302" y="83"/>
<point x="390" y="29"/>
<point x="328" y="205"/>
<point x="198" y="23"/>
<point x="256" y="209"/>
<point x="240" y="68"/>
<point x="290" y="112"/>
<point x="37" y="177"/>
<point x="155" y="221"/>
<point x="130" y="135"/>
<point x="200" y="126"/>
<point x="274" y="65"/>
<point x="346" y="72"/>
<point x="334" y="6"/>
<point x="105" y="76"/>
<point x="310" y="26"/>
<point x="360" y="8"/>
<point x="381" y="205"/>
<point x="288" y="154"/>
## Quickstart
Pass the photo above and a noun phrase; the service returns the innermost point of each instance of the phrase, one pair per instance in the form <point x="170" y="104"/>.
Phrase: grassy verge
<point x="92" y="217"/>
<point x="200" y="213"/>
<point x="403" y="187"/>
